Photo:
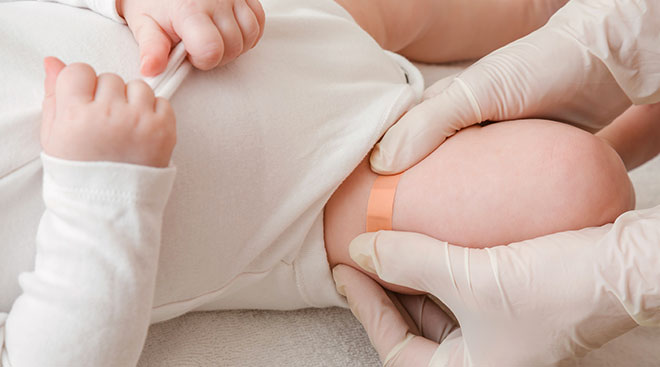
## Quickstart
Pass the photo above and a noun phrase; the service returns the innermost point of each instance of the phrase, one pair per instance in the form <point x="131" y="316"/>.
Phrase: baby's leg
<point x="493" y="185"/>
<point x="449" y="30"/>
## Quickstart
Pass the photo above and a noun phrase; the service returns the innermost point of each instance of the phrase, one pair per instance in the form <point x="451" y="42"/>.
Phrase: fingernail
<point x="362" y="252"/>
<point x="341" y="288"/>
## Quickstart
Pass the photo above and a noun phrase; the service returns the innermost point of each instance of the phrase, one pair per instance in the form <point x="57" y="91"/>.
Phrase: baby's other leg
<point x="449" y="30"/>
<point x="493" y="185"/>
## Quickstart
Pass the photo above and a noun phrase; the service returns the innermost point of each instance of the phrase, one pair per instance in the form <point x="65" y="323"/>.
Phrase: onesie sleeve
<point x="88" y="300"/>
<point x="107" y="8"/>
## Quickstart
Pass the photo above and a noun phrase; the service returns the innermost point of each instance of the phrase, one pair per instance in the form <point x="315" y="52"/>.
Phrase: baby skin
<point x="493" y="185"/>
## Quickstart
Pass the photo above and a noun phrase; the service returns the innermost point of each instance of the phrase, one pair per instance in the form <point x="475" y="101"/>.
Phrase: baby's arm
<point x="88" y="300"/>
<point x="493" y="185"/>
<point x="215" y="32"/>
<point x="449" y="30"/>
<point x="635" y="135"/>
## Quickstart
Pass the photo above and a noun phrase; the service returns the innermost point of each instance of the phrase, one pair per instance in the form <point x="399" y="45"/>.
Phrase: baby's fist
<point x="214" y="32"/>
<point x="90" y="118"/>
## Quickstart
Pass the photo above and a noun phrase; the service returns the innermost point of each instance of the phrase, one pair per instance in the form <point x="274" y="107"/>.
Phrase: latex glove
<point x="392" y="320"/>
<point x="537" y="302"/>
<point x="214" y="32"/>
<point x="583" y="67"/>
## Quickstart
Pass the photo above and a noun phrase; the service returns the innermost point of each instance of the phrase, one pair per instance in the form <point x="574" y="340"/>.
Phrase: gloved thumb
<point x="154" y="44"/>
<point x="407" y="259"/>
<point x="386" y="327"/>
<point x="438" y="87"/>
<point x="422" y="129"/>
<point x="52" y="66"/>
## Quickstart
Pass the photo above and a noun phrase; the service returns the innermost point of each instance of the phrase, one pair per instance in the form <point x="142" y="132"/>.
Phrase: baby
<point x="261" y="154"/>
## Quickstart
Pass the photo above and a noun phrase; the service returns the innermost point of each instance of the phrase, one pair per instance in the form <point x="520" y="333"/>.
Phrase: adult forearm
<point x="635" y="135"/>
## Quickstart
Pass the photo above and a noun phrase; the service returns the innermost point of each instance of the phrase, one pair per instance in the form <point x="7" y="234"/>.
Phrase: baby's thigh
<point x="513" y="181"/>
<point x="492" y="185"/>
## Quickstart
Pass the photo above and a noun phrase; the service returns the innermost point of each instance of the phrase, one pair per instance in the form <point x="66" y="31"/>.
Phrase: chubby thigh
<point x="493" y="185"/>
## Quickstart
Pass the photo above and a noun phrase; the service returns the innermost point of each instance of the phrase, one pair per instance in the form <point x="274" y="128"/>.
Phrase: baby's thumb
<point x="52" y="66"/>
<point x="154" y="44"/>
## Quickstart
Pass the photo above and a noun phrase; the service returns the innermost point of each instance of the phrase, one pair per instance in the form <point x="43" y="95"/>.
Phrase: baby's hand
<point x="90" y="118"/>
<point x="214" y="32"/>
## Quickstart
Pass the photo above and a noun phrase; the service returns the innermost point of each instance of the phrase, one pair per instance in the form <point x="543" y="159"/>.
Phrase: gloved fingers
<point x="451" y="352"/>
<point x="430" y="319"/>
<point x="438" y="87"/>
<point x="422" y="129"/>
<point x="413" y="351"/>
<point x="407" y="259"/>
<point x="386" y="328"/>
<point x="153" y="42"/>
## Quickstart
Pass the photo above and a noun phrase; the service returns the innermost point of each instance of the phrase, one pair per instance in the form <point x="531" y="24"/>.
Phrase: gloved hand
<point x="583" y="67"/>
<point x="214" y="32"/>
<point x="536" y="302"/>
<point x="393" y="320"/>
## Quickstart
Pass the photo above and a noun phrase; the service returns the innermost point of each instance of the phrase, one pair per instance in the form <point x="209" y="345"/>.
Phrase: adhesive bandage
<point x="381" y="203"/>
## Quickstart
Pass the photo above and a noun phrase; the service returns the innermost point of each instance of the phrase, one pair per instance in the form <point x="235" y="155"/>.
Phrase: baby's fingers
<point x="201" y="37"/>
<point x="154" y="44"/>
<point x="52" y="66"/>
<point x="248" y="23"/>
<point x="231" y="33"/>
<point x="140" y="93"/>
<point x="110" y="87"/>
<point x="259" y="13"/>
<point x="76" y="83"/>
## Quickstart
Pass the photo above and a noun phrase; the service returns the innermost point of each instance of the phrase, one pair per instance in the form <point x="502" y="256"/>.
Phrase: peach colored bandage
<point x="381" y="203"/>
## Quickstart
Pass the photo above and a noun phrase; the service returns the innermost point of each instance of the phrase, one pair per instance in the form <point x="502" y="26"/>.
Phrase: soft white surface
<point x="332" y="337"/>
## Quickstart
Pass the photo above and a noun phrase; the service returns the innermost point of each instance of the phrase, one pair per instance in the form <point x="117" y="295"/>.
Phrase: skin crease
<point x="493" y="185"/>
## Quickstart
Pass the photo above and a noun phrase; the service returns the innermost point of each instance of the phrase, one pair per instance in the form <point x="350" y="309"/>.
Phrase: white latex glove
<point x="583" y="67"/>
<point x="537" y="302"/>
<point x="391" y="320"/>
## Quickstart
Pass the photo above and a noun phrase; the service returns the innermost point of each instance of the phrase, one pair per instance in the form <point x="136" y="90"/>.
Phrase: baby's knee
<point x="595" y="178"/>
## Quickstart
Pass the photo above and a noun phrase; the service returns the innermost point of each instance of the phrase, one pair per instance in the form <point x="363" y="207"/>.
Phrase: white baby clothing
<point x="262" y="144"/>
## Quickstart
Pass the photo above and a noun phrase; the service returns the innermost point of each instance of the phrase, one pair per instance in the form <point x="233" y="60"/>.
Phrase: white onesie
<point x="262" y="144"/>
